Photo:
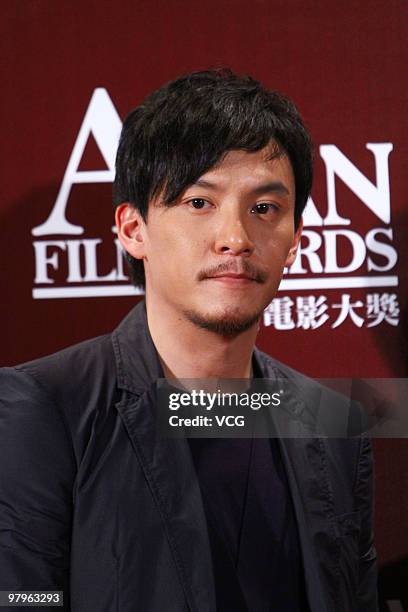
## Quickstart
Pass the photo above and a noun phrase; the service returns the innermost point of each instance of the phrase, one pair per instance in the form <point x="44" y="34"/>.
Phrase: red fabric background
<point x="342" y="62"/>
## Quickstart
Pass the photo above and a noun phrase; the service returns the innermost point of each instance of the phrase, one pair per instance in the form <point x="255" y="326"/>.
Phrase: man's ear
<point x="131" y="229"/>
<point x="295" y="244"/>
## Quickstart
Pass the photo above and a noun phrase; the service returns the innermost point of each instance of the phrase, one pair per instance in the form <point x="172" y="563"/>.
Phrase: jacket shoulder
<point x="73" y="386"/>
<point x="73" y="370"/>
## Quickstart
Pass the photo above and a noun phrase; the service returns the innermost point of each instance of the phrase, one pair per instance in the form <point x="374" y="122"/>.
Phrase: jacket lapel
<point x="304" y="457"/>
<point x="306" y="485"/>
<point x="166" y="463"/>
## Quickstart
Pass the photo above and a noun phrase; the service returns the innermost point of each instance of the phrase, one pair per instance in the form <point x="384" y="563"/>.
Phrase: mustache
<point x="241" y="267"/>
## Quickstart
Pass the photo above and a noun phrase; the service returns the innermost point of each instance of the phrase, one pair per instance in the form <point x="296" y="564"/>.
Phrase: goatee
<point x="227" y="325"/>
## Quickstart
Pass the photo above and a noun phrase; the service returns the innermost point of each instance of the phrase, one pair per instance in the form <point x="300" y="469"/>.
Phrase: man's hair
<point x="184" y="128"/>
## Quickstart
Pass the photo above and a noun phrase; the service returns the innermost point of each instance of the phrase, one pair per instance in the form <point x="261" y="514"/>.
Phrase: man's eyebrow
<point x="269" y="187"/>
<point x="204" y="183"/>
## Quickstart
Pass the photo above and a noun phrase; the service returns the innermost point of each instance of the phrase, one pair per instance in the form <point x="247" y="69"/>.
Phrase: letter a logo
<point x="102" y="120"/>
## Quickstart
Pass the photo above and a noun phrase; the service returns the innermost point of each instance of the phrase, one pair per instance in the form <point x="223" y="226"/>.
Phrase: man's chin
<point x="228" y="324"/>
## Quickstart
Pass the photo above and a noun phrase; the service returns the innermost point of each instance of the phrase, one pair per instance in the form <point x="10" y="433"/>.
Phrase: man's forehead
<point x="250" y="167"/>
<point x="269" y="152"/>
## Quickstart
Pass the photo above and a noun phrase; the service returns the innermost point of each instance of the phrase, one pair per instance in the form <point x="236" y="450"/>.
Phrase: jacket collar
<point x="137" y="361"/>
<point x="138" y="366"/>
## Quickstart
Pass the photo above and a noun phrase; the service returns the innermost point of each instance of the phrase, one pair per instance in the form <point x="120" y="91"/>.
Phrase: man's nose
<point x="232" y="237"/>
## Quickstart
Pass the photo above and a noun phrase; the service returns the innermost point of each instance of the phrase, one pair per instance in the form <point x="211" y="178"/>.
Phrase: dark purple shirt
<point x="252" y="528"/>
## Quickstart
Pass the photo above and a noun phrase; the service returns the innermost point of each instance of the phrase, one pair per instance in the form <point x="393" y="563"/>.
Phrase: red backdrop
<point x="342" y="62"/>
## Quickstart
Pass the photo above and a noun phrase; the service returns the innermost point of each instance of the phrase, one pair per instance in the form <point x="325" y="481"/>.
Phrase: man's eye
<point x="263" y="208"/>
<point x="198" y="203"/>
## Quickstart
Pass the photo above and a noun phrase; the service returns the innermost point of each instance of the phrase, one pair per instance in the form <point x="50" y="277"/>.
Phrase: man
<point x="213" y="173"/>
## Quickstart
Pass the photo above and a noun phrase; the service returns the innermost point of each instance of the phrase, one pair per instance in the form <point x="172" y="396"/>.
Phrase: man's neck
<point x="188" y="351"/>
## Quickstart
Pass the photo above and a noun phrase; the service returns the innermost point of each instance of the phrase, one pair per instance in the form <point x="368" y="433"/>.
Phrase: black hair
<point x="184" y="128"/>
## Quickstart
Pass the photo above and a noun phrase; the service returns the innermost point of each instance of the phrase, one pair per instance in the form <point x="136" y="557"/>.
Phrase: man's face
<point x="216" y="256"/>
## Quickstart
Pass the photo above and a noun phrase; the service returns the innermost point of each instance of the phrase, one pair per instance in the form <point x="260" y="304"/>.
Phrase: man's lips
<point x="232" y="275"/>
<point x="243" y="274"/>
<point x="232" y="278"/>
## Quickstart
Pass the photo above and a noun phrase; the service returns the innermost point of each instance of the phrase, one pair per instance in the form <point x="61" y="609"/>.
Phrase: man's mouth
<point x="234" y="273"/>
<point x="233" y="276"/>
<point x="233" y="279"/>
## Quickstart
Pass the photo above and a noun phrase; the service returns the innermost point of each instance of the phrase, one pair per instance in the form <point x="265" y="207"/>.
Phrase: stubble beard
<point x="228" y="324"/>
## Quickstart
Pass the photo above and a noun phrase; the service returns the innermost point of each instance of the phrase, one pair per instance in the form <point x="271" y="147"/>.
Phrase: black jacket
<point x="95" y="503"/>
